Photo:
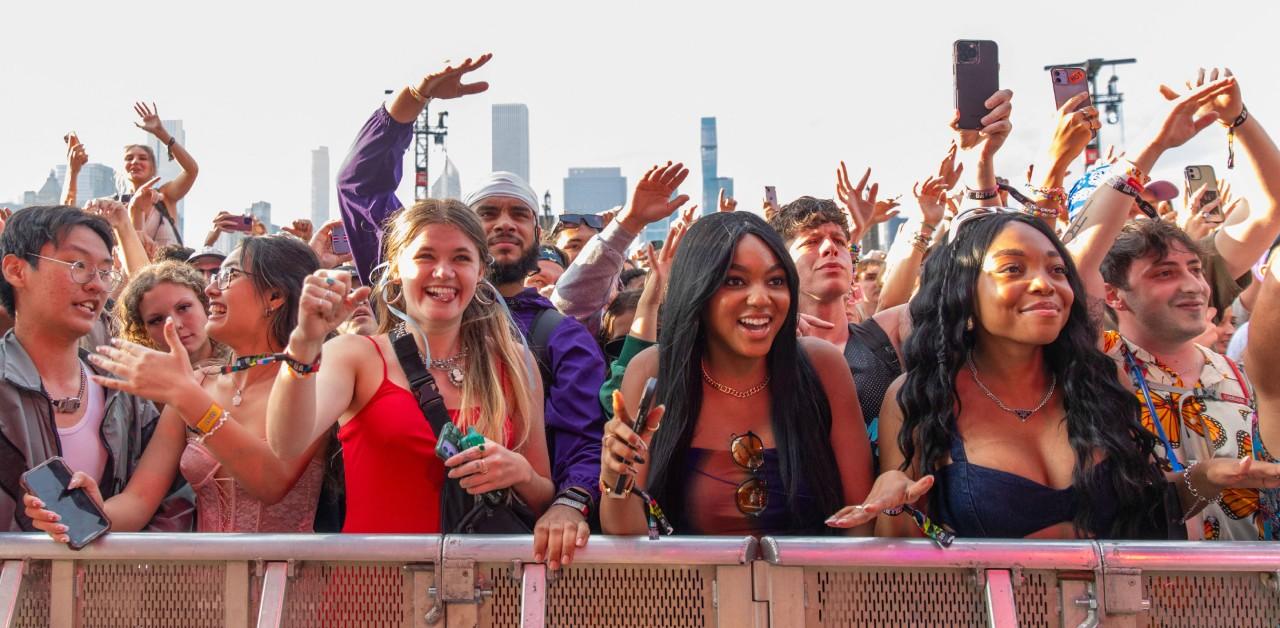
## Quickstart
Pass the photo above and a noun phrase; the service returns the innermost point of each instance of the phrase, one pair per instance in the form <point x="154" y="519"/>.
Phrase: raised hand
<point x="48" y="521"/>
<point x="150" y="118"/>
<point x="301" y="229"/>
<point x="860" y="202"/>
<point x="1191" y="112"/>
<point x="995" y="125"/>
<point x="114" y="212"/>
<point x="1074" y="130"/>
<point x="727" y="203"/>
<point x="651" y="201"/>
<point x="891" y="490"/>
<point x="931" y="196"/>
<point x="1227" y="104"/>
<point x="160" y="376"/>
<point x="143" y="201"/>
<point x="327" y="299"/>
<point x="76" y="155"/>
<point x="447" y="83"/>
<point x="623" y="449"/>
<point x="949" y="171"/>
<point x="322" y="244"/>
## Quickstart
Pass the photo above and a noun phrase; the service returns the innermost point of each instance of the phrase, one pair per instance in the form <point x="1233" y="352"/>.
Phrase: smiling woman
<point x="760" y="432"/>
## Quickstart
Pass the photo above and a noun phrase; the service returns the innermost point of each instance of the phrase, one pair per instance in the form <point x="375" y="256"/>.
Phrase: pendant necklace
<point x="1022" y="414"/>
<point x="69" y="405"/>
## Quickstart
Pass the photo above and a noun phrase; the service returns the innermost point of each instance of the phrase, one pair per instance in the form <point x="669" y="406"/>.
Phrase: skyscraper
<point x="448" y="184"/>
<point x="593" y="190"/>
<point x="94" y="181"/>
<point x="320" y="186"/>
<point x="166" y="169"/>
<point x="711" y="181"/>
<point x="511" y="139"/>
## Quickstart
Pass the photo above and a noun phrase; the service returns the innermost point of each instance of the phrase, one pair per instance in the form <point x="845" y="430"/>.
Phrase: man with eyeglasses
<point x="57" y="275"/>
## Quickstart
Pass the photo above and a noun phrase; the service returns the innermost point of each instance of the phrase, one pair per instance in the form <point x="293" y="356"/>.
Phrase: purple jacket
<point x="367" y="185"/>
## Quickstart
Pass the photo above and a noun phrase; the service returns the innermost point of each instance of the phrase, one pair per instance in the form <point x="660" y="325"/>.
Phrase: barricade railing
<point x="434" y="581"/>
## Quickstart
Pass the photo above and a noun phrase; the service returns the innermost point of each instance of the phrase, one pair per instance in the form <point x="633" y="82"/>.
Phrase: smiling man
<point x="57" y="274"/>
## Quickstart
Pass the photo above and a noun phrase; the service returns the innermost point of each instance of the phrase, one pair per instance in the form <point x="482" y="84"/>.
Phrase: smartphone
<point x="1200" y="177"/>
<point x="771" y="195"/>
<point x="447" y="442"/>
<point x="642" y="414"/>
<point x="1067" y="83"/>
<point x="85" y="521"/>
<point x="338" y="237"/>
<point x="976" y="69"/>
<point x="241" y="223"/>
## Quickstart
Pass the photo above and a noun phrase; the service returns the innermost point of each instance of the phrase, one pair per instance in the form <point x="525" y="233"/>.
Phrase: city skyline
<point x="881" y="99"/>
<point x="510" y="139"/>
<point x="320" y="186"/>
<point x="593" y="190"/>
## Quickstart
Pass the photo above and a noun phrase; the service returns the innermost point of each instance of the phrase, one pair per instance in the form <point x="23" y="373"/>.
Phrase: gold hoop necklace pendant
<point x="729" y="390"/>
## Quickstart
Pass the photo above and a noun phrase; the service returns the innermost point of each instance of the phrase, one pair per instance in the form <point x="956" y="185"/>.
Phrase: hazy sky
<point x="795" y="86"/>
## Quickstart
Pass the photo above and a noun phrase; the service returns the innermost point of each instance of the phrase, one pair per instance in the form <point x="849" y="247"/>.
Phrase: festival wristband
<point x="982" y="195"/>
<point x="210" y="417"/>
<point x="578" y="506"/>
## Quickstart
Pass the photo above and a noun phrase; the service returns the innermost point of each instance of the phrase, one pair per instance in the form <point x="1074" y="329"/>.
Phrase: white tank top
<point x="82" y="446"/>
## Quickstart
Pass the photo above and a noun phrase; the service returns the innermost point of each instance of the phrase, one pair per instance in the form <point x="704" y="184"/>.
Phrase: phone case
<point x="58" y="461"/>
<point x="1067" y="82"/>
<point x="1200" y="177"/>
<point x="976" y="67"/>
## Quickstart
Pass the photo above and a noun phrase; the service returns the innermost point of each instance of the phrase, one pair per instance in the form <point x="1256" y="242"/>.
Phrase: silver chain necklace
<point x="452" y="366"/>
<point x="1022" y="415"/>
<point x="69" y="405"/>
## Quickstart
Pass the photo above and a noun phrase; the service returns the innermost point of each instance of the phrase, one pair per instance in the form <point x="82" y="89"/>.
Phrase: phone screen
<point x="83" y="519"/>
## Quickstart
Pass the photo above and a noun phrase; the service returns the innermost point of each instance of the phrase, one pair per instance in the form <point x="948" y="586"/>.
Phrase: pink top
<point x="223" y="506"/>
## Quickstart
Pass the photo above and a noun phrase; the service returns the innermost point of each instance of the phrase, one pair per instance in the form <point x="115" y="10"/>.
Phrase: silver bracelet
<point x="1186" y="479"/>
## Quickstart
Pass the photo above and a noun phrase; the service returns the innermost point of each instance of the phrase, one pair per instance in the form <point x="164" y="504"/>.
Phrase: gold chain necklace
<point x="734" y="392"/>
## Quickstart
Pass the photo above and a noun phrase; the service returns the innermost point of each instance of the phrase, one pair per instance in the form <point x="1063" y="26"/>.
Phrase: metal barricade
<point x="728" y="582"/>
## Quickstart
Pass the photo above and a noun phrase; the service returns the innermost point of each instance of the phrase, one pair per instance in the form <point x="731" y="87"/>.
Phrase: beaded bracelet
<point x="216" y="426"/>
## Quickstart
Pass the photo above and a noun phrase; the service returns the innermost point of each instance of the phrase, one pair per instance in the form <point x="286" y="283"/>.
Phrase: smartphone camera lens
<point x="1192" y="173"/>
<point x="966" y="52"/>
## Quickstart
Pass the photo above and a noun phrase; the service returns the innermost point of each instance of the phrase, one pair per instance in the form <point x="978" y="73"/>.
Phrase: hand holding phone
<point x="82" y="516"/>
<point x="641" y="421"/>
<point x="976" y="70"/>
<point x="1067" y="83"/>
<point x="338" y="240"/>
<point x="1203" y="185"/>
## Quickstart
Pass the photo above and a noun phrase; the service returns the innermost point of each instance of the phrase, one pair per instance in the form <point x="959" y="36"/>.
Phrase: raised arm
<point x="368" y="179"/>
<point x="178" y="188"/>
<point x="987" y="141"/>
<point x="117" y="215"/>
<point x="1264" y="344"/>
<point x="907" y="253"/>
<point x="76" y="159"/>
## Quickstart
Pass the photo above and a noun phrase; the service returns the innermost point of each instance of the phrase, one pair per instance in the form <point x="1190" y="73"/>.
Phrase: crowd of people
<point x="1054" y="360"/>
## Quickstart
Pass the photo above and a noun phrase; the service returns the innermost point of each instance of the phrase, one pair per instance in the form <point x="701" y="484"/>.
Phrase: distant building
<point x="168" y="170"/>
<point x="49" y="194"/>
<point x="594" y="190"/>
<point x="94" y="181"/>
<point x="712" y="183"/>
<point x="448" y="184"/>
<point x="262" y="211"/>
<point x="320" y="186"/>
<point x="511" y="139"/>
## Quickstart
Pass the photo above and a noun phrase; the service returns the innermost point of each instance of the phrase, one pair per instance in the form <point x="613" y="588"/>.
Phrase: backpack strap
<point x="421" y="382"/>
<point x="540" y="330"/>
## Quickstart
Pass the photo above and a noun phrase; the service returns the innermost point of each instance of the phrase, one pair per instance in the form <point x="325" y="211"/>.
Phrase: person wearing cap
<point x="362" y="321"/>
<point x="207" y="260"/>
<point x="551" y="264"/>
<point x="367" y="183"/>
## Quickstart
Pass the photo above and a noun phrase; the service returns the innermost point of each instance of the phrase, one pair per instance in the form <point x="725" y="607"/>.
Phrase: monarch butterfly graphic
<point x="1239" y="503"/>
<point x="1244" y="444"/>
<point x="1200" y="423"/>
<point x="1166" y="413"/>
<point x="1212" y="529"/>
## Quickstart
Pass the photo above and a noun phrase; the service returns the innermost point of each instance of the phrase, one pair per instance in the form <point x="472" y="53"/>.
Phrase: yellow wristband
<point x="210" y="417"/>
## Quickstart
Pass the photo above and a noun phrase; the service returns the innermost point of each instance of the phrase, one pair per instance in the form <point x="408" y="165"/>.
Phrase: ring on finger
<point x="484" y="468"/>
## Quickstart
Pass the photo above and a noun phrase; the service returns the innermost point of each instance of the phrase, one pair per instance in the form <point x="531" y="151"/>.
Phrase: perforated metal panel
<point x="622" y="597"/>
<point x="127" y="594"/>
<point x="1038" y="599"/>
<point x="894" y="598"/>
<point x="345" y="594"/>
<point x="33" y="604"/>
<point x="1228" y="599"/>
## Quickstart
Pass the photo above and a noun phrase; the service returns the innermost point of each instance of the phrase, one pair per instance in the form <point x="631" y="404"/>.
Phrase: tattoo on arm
<point x="1078" y="223"/>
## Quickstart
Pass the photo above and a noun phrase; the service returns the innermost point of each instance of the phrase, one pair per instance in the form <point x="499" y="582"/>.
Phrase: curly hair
<point x="804" y="213"/>
<point x="129" y="306"/>
<point x="1102" y="417"/>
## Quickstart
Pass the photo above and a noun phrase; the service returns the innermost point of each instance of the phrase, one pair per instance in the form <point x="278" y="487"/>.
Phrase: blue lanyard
<point x="1155" y="418"/>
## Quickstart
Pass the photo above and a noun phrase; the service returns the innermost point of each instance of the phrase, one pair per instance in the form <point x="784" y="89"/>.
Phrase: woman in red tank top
<point x="436" y="255"/>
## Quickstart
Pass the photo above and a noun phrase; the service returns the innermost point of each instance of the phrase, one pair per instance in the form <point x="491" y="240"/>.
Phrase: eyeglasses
<point x="82" y="274"/>
<point x="575" y="220"/>
<point x="751" y="496"/>
<point x="224" y="277"/>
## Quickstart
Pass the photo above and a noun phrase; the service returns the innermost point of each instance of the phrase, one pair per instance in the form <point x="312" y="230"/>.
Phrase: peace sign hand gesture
<point x="447" y="83"/>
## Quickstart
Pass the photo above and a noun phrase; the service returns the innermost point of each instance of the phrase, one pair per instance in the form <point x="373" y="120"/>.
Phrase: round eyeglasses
<point x="82" y="274"/>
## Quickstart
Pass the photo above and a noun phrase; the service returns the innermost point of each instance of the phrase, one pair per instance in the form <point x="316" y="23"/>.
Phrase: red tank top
<point x="393" y="476"/>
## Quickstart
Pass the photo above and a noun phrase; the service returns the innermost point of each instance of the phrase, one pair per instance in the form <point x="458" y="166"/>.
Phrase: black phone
<point x="976" y="69"/>
<point x="642" y="415"/>
<point x="85" y="521"/>
<point x="341" y="245"/>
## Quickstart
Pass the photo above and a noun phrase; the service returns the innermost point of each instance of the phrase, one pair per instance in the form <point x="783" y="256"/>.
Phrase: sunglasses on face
<point x="577" y="220"/>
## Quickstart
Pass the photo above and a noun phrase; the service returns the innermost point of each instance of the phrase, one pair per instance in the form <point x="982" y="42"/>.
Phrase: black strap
<point x="429" y="399"/>
<point x="540" y="330"/>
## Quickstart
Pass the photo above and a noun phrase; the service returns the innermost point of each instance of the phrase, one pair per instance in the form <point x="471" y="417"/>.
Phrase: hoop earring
<point x="488" y="300"/>
<point x="387" y="294"/>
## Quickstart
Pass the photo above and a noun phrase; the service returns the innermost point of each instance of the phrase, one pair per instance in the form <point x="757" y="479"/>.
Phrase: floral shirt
<point x="1214" y="417"/>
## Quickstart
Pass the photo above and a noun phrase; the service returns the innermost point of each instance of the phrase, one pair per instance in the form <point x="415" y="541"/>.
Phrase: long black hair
<point x="799" y="414"/>
<point x="1102" y="416"/>
<point x="279" y="262"/>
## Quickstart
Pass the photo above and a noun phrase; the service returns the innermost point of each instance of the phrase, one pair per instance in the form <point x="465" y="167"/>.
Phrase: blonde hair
<point x="496" y="375"/>
<point x="151" y="154"/>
